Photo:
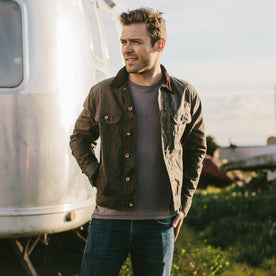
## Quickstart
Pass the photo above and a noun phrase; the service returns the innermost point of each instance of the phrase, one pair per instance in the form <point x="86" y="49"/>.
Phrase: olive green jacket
<point x="109" y="112"/>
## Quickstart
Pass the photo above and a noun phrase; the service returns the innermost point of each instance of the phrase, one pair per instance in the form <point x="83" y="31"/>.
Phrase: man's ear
<point x="160" y="45"/>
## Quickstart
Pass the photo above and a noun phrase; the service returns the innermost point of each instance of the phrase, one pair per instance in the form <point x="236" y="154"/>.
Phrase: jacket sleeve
<point x="85" y="134"/>
<point x="194" y="150"/>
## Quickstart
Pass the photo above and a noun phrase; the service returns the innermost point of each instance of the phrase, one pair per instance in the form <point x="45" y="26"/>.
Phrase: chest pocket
<point x="183" y="116"/>
<point x="109" y="125"/>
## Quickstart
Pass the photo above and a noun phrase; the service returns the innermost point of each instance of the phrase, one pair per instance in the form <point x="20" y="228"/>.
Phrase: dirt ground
<point x="61" y="257"/>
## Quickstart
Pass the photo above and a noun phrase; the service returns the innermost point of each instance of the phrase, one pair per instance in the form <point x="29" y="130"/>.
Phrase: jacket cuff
<point x="185" y="207"/>
<point x="93" y="174"/>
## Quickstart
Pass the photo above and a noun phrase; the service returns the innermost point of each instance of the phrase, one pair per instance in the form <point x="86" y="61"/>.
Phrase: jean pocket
<point x="165" y="222"/>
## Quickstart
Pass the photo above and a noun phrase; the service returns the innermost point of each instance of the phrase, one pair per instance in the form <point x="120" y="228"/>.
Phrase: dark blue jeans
<point x="149" y="242"/>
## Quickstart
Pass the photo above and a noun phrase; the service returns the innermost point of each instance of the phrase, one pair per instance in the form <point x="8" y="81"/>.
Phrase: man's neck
<point x="147" y="78"/>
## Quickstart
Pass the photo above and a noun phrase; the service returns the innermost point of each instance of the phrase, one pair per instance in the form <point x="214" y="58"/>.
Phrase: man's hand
<point x="177" y="222"/>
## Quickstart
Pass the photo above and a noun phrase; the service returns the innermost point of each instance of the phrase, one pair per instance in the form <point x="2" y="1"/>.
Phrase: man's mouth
<point x="130" y="60"/>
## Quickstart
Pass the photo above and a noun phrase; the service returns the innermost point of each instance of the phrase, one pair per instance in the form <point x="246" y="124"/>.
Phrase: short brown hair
<point x="156" y="24"/>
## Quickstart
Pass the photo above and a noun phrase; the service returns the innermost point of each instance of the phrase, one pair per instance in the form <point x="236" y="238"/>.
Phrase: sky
<point x="227" y="51"/>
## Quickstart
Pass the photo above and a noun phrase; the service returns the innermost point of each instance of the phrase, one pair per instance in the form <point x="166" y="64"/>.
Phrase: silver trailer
<point x="51" y="53"/>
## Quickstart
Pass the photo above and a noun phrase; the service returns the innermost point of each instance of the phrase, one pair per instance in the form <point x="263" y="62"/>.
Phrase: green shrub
<point x="236" y="218"/>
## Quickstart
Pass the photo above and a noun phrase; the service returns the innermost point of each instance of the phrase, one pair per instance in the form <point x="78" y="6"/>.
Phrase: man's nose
<point x="127" y="48"/>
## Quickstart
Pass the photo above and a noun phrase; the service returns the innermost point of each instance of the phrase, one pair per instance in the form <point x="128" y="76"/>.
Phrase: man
<point x="152" y="148"/>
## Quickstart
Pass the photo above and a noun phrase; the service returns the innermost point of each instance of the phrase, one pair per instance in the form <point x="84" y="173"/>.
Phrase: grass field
<point x="229" y="231"/>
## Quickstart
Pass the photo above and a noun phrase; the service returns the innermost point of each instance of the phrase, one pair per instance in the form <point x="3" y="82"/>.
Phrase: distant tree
<point x="211" y="145"/>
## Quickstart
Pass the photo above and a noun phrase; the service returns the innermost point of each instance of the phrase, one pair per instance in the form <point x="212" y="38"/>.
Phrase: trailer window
<point x="11" y="52"/>
<point x="112" y="40"/>
<point x="94" y="30"/>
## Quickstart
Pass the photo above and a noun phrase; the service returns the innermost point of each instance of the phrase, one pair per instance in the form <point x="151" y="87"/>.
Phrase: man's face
<point x="139" y="55"/>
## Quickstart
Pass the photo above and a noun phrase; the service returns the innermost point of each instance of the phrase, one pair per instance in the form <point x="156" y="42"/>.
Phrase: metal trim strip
<point x="45" y="210"/>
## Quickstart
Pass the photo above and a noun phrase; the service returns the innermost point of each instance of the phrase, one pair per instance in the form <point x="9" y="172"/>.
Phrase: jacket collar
<point x="122" y="77"/>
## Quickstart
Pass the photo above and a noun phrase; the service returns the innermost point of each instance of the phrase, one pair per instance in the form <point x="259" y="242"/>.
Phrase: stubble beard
<point x="138" y="68"/>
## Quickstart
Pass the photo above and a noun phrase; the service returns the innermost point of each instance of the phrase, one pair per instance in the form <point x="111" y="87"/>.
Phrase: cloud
<point x="242" y="119"/>
<point x="226" y="70"/>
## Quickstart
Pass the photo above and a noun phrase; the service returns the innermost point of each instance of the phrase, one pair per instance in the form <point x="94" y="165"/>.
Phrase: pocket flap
<point x="110" y="118"/>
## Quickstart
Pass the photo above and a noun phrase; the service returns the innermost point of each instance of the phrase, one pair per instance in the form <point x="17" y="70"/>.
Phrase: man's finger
<point x="177" y="222"/>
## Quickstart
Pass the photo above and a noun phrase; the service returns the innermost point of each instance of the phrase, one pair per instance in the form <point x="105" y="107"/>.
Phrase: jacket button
<point x="127" y="179"/>
<point x="127" y="155"/>
<point x="130" y="204"/>
<point x="128" y="133"/>
<point x="106" y="117"/>
<point x="130" y="108"/>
